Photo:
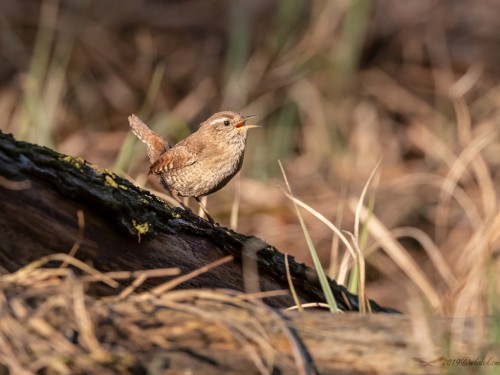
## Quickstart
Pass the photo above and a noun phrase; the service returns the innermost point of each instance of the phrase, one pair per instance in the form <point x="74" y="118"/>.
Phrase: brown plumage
<point x="202" y="163"/>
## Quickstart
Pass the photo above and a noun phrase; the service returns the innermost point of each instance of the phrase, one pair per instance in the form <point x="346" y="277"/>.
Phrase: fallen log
<point x="128" y="228"/>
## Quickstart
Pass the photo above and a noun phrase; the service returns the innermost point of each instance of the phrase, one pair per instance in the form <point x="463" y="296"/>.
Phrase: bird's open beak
<point x="242" y="123"/>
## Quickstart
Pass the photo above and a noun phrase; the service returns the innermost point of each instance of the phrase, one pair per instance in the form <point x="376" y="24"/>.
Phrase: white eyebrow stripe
<point x="220" y="120"/>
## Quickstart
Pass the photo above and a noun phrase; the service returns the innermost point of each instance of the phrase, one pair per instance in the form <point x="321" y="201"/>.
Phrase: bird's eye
<point x="226" y="123"/>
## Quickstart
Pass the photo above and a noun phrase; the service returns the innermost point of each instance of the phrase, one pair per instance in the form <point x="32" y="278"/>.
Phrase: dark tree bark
<point x="127" y="228"/>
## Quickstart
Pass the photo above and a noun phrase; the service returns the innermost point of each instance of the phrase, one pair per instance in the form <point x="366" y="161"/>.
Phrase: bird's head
<point x="228" y="122"/>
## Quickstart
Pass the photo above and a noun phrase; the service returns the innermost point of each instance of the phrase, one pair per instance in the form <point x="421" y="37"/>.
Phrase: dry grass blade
<point x="124" y="160"/>
<point x="179" y="280"/>
<point x="132" y="287"/>
<point x="477" y="257"/>
<point x="430" y="248"/>
<point x="453" y="176"/>
<point x="24" y="272"/>
<point x="310" y="305"/>
<point x="14" y="185"/>
<point x="290" y="284"/>
<point x="345" y="265"/>
<point x="8" y="357"/>
<point x="85" y="326"/>
<point x="141" y="277"/>
<point x="361" y="200"/>
<point x="79" y="239"/>
<point x="361" y="275"/>
<point x="466" y="203"/>
<point x="120" y="275"/>
<point x="260" y="295"/>
<point x="333" y="271"/>
<point x="400" y="256"/>
<point x="479" y="165"/>
<point x="57" y="339"/>
<point x="467" y="81"/>
<point x="472" y="297"/>
<point x="433" y="146"/>
<point x="249" y="266"/>
<point x="355" y="238"/>
<point x="235" y="207"/>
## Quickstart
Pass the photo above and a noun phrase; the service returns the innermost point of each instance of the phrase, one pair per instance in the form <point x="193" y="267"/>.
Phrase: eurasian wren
<point x="202" y="163"/>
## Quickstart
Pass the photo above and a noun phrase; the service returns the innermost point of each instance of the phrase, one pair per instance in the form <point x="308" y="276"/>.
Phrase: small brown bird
<point x="202" y="163"/>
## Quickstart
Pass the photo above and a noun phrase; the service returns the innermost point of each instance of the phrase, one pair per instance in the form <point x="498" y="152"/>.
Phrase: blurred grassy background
<point x="336" y="85"/>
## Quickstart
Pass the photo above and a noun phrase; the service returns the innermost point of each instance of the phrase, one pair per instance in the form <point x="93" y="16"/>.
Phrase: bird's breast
<point x="214" y="167"/>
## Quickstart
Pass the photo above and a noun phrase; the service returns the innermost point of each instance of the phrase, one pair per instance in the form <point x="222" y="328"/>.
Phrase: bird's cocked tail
<point x="156" y="144"/>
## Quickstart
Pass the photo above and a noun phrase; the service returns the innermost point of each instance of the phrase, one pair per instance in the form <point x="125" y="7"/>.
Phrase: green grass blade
<point x="323" y="280"/>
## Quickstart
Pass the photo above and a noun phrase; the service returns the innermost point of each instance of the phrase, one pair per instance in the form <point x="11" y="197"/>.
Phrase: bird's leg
<point x="174" y="194"/>
<point x="203" y="201"/>
<point x="202" y="206"/>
